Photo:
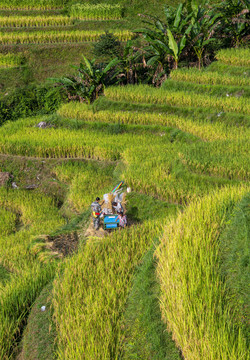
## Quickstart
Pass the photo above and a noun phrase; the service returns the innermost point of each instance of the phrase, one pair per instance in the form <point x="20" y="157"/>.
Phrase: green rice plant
<point x="35" y="21"/>
<point x="234" y="56"/>
<point x="17" y="297"/>
<point x="205" y="130"/>
<point x="89" y="318"/>
<point x="86" y="11"/>
<point x="205" y="159"/>
<point x="208" y="77"/>
<point x="176" y="183"/>
<point x="7" y="222"/>
<point x="87" y="180"/>
<point x="194" y="300"/>
<point x="203" y="115"/>
<point x="220" y="91"/>
<point x="11" y="60"/>
<point x="234" y="256"/>
<point x="41" y="37"/>
<point x="57" y="143"/>
<point x="25" y="138"/>
<point x="147" y="94"/>
<point x="5" y="276"/>
<point x="31" y="4"/>
<point x="37" y="215"/>
<point x="218" y="66"/>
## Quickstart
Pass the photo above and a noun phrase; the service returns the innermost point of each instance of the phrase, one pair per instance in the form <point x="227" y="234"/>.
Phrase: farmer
<point x="96" y="212"/>
<point x="117" y="206"/>
<point x="122" y="219"/>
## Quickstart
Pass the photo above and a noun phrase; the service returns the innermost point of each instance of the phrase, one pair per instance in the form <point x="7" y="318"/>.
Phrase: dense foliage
<point x="30" y="100"/>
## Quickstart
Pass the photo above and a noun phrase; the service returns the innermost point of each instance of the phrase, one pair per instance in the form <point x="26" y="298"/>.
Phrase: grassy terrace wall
<point x="234" y="263"/>
<point x="198" y="308"/>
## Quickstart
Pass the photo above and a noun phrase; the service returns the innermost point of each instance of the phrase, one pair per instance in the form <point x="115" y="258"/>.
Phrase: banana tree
<point x="131" y="62"/>
<point x="176" y="47"/>
<point x="90" y="81"/>
<point x="167" y="39"/>
<point x="204" y="23"/>
<point x="158" y="58"/>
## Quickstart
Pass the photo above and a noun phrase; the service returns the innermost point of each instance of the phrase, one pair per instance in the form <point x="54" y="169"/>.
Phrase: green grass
<point x="6" y="13"/>
<point x="32" y="4"/>
<point x="146" y="336"/>
<point x="43" y="64"/>
<point x="12" y="78"/>
<point x="38" y="341"/>
<point x="11" y="60"/>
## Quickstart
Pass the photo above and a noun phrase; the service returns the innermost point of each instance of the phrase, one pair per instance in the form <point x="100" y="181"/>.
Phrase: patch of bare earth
<point x="64" y="244"/>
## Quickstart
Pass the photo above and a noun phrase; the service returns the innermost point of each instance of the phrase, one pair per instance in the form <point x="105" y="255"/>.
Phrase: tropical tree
<point x="176" y="47"/>
<point x="235" y="20"/>
<point x="167" y="39"/>
<point x="204" y="23"/>
<point x="107" y="46"/>
<point x="90" y="81"/>
<point x="131" y="63"/>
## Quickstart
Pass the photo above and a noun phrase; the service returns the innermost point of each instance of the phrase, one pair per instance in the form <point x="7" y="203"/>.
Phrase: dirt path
<point x="54" y="158"/>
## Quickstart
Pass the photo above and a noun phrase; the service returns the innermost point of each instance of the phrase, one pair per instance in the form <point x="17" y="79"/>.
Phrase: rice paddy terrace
<point x="40" y="33"/>
<point x="172" y="285"/>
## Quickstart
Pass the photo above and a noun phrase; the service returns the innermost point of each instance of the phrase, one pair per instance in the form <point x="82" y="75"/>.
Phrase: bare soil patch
<point x="64" y="244"/>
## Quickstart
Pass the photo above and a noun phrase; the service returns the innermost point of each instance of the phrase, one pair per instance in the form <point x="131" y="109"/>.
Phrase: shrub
<point x="29" y="101"/>
<point x="107" y="45"/>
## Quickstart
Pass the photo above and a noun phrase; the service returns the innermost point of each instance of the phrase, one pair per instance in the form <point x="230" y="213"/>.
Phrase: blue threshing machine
<point x="110" y="222"/>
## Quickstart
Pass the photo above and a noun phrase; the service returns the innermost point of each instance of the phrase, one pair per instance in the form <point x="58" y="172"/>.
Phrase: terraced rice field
<point x="54" y="26"/>
<point x="184" y="151"/>
<point x="96" y="12"/>
<point x="35" y="21"/>
<point x="31" y="4"/>
<point x="50" y="37"/>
